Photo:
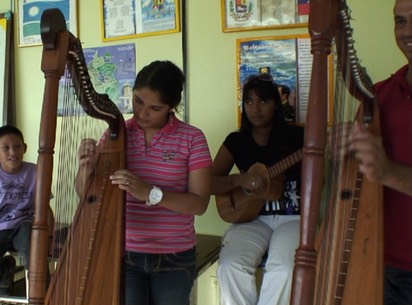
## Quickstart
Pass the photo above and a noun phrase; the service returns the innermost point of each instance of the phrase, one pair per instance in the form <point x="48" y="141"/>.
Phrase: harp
<point x="89" y="267"/>
<point x="342" y="263"/>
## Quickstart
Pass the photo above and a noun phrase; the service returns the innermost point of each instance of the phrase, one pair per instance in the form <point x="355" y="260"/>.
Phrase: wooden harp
<point x="89" y="267"/>
<point x="342" y="263"/>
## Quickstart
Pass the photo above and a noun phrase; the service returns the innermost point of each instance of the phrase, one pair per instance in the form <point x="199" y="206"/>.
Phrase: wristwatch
<point x="155" y="196"/>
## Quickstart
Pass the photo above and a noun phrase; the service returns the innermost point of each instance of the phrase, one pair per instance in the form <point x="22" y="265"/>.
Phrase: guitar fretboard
<point x="283" y="165"/>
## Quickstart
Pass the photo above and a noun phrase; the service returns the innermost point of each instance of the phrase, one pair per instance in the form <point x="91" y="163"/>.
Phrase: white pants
<point x="244" y="245"/>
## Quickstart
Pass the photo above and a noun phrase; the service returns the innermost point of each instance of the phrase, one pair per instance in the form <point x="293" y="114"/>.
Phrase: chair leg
<point x="26" y="276"/>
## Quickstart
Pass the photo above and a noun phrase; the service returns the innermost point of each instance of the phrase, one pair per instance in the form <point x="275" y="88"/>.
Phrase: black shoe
<point x="7" y="267"/>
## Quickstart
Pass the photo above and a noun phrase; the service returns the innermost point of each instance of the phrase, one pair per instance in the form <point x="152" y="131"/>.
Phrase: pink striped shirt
<point x="177" y="149"/>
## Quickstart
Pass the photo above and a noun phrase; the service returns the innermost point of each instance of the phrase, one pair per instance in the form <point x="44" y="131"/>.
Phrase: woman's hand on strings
<point x="87" y="152"/>
<point x="132" y="184"/>
<point x="86" y="155"/>
<point x="368" y="149"/>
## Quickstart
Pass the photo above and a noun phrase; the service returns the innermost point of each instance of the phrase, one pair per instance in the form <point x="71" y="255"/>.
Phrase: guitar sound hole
<point x="346" y="194"/>
<point x="91" y="199"/>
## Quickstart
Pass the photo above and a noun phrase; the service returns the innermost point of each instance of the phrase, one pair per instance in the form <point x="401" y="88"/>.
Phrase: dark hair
<point x="284" y="89"/>
<point x="165" y="78"/>
<point x="266" y="89"/>
<point x="9" y="129"/>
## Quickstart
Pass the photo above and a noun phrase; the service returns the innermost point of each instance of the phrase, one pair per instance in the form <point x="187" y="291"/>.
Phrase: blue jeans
<point x="159" y="279"/>
<point x="398" y="286"/>
<point x="17" y="239"/>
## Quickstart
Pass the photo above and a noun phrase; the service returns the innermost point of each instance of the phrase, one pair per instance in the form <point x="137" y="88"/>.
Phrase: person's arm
<point x="375" y="164"/>
<point x="398" y="177"/>
<point x="194" y="201"/>
<point x="223" y="181"/>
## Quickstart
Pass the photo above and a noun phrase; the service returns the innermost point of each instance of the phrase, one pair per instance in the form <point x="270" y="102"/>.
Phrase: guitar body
<point x="241" y="205"/>
<point x="246" y="208"/>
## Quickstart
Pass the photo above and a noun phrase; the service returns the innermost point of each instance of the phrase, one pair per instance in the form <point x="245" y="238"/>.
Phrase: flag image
<point x="303" y="7"/>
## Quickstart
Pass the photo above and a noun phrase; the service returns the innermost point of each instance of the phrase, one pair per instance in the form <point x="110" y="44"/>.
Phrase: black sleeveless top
<point x="247" y="152"/>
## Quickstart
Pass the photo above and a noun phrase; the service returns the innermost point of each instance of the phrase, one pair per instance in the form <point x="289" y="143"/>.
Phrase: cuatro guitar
<point x="240" y="205"/>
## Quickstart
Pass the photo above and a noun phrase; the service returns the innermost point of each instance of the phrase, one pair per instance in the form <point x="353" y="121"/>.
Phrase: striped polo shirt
<point x="175" y="150"/>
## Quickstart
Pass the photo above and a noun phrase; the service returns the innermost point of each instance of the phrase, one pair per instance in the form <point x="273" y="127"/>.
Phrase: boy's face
<point x="12" y="150"/>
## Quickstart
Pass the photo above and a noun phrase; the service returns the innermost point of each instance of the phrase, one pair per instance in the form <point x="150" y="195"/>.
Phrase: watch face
<point x="156" y="195"/>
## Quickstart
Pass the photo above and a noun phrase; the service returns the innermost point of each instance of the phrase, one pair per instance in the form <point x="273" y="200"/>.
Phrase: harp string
<point x="74" y="126"/>
<point x="328" y="269"/>
<point x="96" y="233"/>
<point x="345" y="202"/>
<point x="335" y="171"/>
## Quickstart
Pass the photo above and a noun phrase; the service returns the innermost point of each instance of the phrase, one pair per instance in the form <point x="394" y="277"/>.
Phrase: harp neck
<point x="61" y="50"/>
<point x="357" y="81"/>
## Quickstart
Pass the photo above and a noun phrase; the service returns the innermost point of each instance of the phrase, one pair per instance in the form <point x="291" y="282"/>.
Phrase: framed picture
<point x="289" y="60"/>
<point x="112" y="71"/>
<point x="247" y="15"/>
<point x="29" y="16"/>
<point x="123" y="19"/>
<point x="6" y="69"/>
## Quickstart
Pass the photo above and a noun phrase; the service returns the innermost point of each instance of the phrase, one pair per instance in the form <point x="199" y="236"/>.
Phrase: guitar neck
<point x="283" y="165"/>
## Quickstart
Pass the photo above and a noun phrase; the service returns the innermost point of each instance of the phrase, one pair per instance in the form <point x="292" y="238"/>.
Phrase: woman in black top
<point x="263" y="137"/>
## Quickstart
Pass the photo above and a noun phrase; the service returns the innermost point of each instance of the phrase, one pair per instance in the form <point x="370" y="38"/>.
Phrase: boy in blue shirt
<point x="17" y="189"/>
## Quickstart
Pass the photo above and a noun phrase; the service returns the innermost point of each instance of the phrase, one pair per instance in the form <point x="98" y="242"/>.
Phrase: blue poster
<point x="30" y="12"/>
<point x="112" y="71"/>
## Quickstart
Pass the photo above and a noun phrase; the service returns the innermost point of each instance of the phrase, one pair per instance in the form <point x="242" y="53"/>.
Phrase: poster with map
<point x="112" y="71"/>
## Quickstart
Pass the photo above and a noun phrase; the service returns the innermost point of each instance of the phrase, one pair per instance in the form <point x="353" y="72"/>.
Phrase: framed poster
<point x="29" y="16"/>
<point x="123" y="19"/>
<point x="6" y="69"/>
<point x="247" y="15"/>
<point x="289" y="60"/>
<point x="112" y="71"/>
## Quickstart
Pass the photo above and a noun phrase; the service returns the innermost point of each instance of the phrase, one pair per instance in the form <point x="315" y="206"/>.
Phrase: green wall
<point x="211" y="68"/>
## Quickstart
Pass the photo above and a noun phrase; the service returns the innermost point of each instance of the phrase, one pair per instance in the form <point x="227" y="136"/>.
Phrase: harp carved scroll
<point x="339" y="262"/>
<point x="89" y="266"/>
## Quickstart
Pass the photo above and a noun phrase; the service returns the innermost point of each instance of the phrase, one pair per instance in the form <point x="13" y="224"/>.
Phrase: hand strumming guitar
<point x="250" y="182"/>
